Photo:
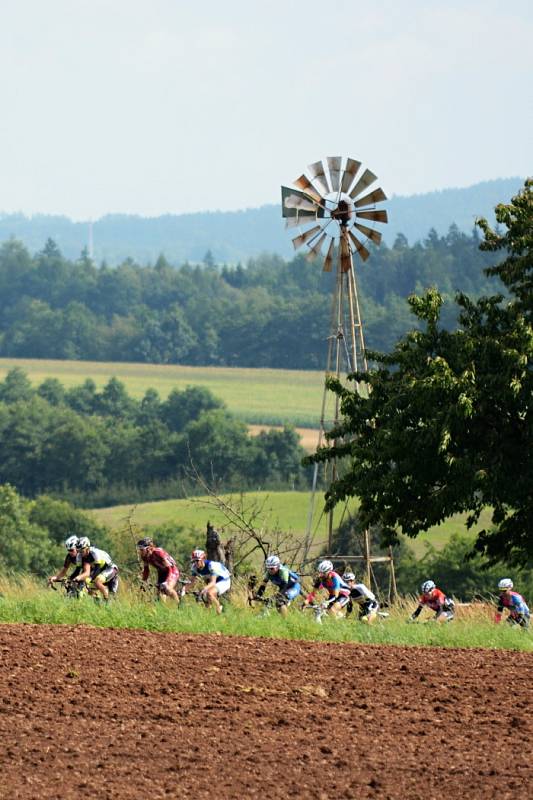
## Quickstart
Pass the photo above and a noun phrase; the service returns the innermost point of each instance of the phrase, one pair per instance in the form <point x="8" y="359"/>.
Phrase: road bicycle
<point x="75" y="590"/>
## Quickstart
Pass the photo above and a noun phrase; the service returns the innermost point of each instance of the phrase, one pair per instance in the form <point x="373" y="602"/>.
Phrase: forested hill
<point x="271" y="313"/>
<point x="238" y="235"/>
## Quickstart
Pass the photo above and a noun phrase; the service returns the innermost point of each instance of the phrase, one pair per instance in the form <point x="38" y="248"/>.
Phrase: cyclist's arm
<point x="61" y="574"/>
<point x="85" y="572"/>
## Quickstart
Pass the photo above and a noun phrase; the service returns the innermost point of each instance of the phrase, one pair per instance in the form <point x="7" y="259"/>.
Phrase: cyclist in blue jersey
<point x="337" y="589"/>
<point x="216" y="575"/>
<point x="285" y="580"/>
<point x="518" y="610"/>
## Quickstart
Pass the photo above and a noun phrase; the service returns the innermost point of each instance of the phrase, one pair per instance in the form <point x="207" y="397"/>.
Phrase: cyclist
<point x="286" y="581"/>
<point x="72" y="559"/>
<point x="518" y="610"/>
<point x="217" y="576"/>
<point x="337" y="589"/>
<point x="361" y="596"/>
<point x="97" y="567"/>
<point x="167" y="570"/>
<point x="434" y="599"/>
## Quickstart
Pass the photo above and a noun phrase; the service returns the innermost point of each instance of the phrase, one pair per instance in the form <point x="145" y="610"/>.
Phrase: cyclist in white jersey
<point x="217" y="576"/>
<point x="97" y="567"/>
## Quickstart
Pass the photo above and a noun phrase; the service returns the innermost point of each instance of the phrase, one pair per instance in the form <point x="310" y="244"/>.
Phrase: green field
<point x="268" y="396"/>
<point x="287" y="511"/>
<point x="284" y="511"/>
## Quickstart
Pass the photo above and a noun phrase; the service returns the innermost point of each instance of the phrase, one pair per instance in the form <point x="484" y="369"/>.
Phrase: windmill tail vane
<point x="332" y="198"/>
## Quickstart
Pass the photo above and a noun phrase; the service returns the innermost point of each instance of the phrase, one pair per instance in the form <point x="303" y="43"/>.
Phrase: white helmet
<point x="325" y="566"/>
<point x="505" y="583"/>
<point x="198" y="555"/>
<point x="272" y="562"/>
<point x="428" y="586"/>
<point x="71" y="542"/>
<point x="83" y="543"/>
<point x="348" y="576"/>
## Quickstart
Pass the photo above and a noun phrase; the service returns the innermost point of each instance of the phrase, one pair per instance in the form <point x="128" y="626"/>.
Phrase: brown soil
<point x="128" y="714"/>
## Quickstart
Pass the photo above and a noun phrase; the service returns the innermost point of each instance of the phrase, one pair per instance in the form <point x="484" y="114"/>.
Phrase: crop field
<point x="256" y="396"/>
<point x="154" y="701"/>
<point x="284" y="510"/>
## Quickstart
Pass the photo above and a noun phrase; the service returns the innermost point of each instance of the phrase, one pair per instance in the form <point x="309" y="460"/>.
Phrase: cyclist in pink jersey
<point x="167" y="569"/>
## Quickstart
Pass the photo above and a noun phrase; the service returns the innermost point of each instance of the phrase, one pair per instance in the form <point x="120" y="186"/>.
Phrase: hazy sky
<point x="168" y="106"/>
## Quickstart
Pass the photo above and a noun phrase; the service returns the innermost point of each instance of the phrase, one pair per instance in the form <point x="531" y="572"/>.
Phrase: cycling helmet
<point x="83" y="543"/>
<point x="71" y="542"/>
<point x="198" y="555"/>
<point x="325" y="566"/>
<point x="142" y="544"/>
<point x="348" y="576"/>
<point x="272" y="562"/>
<point x="505" y="583"/>
<point x="428" y="586"/>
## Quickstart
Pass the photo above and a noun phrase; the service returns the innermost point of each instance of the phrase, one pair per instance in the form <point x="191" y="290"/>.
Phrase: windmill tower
<point x="332" y="207"/>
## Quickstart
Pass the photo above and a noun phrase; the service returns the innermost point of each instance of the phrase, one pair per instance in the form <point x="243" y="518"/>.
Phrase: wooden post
<point x="366" y="545"/>
<point x="393" y="591"/>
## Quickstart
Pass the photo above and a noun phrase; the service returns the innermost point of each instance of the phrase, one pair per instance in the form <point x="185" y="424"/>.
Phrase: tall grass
<point x="28" y="601"/>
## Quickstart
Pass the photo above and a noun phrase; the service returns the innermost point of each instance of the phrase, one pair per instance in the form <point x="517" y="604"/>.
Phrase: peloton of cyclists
<point x="518" y="610"/>
<point x="285" y="580"/>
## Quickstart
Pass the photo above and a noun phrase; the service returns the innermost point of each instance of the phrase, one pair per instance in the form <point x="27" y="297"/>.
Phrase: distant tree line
<point x="268" y="313"/>
<point x="101" y="448"/>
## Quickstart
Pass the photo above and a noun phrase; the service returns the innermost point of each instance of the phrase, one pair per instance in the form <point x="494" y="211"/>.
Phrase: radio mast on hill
<point x="331" y="207"/>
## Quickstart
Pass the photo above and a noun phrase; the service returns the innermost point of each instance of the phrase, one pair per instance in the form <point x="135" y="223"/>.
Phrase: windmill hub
<point x="343" y="211"/>
<point x="332" y="204"/>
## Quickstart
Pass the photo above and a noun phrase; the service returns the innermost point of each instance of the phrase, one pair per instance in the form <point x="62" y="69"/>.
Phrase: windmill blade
<point x="376" y="216"/>
<point x="314" y="251"/>
<point x="352" y="167"/>
<point x="300" y="203"/>
<point x="298" y="241"/>
<point x="294" y="202"/>
<point x="334" y="167"/>
<point x="369" y="199"/>
<point x="361" y="249"/>
<point x="318" y="175"/>
<point x="301" y="218"/>
<point x="306" y="186"/>
<point x="365" y="180"/>
<point x="346" y="255"/>
<point x="328" y="261"/>
<point x="370" y="233"/>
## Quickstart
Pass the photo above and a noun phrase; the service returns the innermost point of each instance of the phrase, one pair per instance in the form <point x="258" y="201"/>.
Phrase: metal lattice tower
<point x="331" y="206"/>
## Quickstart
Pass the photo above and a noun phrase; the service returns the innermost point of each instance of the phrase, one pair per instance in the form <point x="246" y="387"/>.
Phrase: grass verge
<point x="27" y="601"/>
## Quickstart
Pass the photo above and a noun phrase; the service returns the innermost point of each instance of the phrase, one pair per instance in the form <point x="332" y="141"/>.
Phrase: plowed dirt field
<point x="88" y="712"/>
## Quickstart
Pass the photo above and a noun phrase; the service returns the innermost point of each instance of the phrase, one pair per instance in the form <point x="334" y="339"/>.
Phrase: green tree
<point x="16" y="386"/>
<point x="182" y="407"/>
<point x="448" y="424"/>
<point x="24" y="545"/>
<point x="52" y="390"/>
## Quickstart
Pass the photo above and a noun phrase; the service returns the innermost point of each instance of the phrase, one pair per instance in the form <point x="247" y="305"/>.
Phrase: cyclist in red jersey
<point x="435" y="600"/>
<point x="167" y="569"/>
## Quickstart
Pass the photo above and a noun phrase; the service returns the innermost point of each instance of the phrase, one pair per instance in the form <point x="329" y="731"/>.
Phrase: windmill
<point x="335" y="209"/>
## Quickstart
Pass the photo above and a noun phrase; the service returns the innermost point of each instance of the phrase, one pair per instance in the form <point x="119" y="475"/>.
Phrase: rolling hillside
<point x="238" y="235"/>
